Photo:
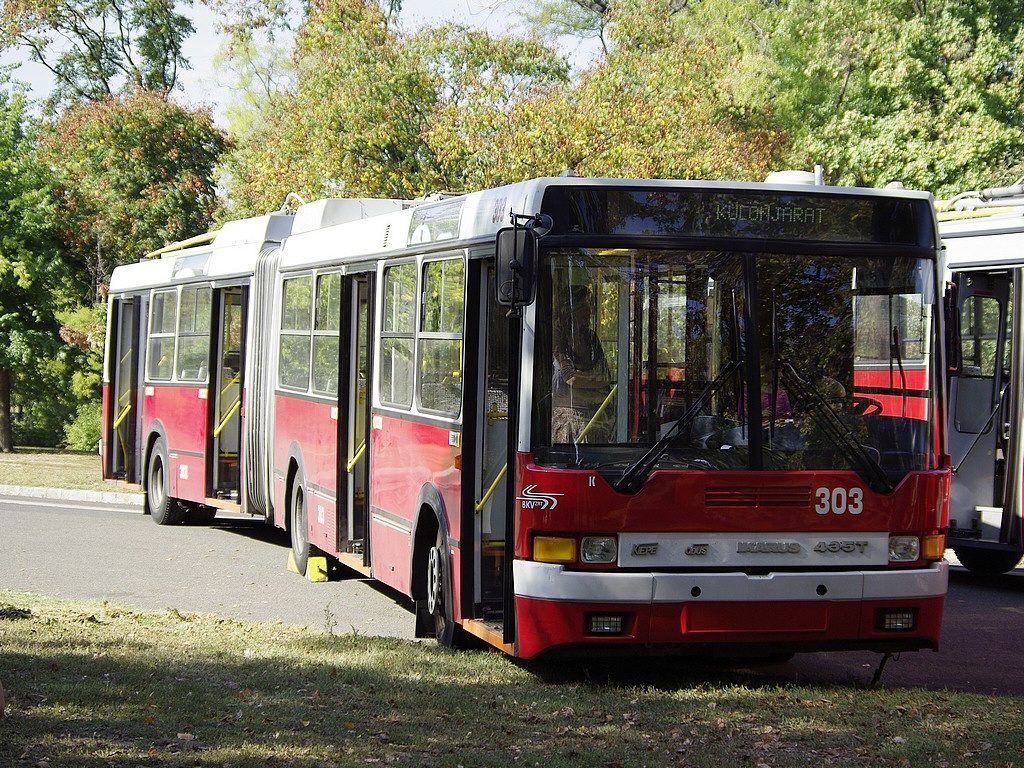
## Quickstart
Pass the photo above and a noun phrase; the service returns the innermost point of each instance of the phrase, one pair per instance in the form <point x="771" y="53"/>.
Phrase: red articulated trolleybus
<point x="566" y="414"/>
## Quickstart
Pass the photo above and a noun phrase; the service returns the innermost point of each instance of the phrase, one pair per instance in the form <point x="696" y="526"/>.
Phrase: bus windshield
<point x="678" y="359"/>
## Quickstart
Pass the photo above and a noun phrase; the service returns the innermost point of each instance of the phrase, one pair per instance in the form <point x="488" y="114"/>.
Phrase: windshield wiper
<point x="637" y="473"/>
<point x="897" y="354"/>
<point x="855" y="450"/>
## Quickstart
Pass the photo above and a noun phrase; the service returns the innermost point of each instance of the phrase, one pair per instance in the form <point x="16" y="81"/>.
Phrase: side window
<point x="296" y="313"/>
<point x="441" y="336"/>
<point x="160" y="346"/>
<point x="194" y="334"/>
<point x="396" y="344"/>
<point x="326" y="325"/>
<point x="979" y="321"/>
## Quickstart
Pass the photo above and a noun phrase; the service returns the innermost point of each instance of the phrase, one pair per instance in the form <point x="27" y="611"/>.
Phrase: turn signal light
<point x="933" y="547"/>
<point x="554" y="549"/>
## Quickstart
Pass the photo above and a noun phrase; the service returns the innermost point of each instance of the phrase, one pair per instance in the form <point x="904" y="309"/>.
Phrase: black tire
<point x="440" y="604"/>
<point x="986" y="562"/>
<point x="158" y="502"/>
<point x="299" y="527"/>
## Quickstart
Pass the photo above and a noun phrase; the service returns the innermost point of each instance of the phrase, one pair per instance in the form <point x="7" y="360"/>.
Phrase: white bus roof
<point x="478" y="215"/>
<point x="984" y="241"/>
<point x="231" y="253"/>
<point x="333" y="231"/>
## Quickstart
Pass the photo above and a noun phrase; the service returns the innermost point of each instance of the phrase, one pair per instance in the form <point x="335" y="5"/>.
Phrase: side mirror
<point x="951" y="312"/>
<point x="515" y="265"/>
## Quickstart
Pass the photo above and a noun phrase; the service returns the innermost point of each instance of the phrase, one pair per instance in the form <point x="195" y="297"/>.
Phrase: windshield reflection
<point x="712" y="360"/>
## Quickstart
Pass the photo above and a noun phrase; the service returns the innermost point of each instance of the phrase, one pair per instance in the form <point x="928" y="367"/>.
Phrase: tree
<point x="652" y="108"/>
<point x="97" y="48"/>
<point x="376" y="112"/>
<point x="929" y="94"/>
<point x="31" y="270"/>
<point x="134" y="172"/>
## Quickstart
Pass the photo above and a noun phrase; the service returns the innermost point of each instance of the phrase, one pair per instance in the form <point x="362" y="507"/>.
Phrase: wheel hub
<point x="435" y="581"/>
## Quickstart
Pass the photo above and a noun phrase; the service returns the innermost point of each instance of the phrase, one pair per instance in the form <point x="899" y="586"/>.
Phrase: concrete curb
<point x="67" y="494"/>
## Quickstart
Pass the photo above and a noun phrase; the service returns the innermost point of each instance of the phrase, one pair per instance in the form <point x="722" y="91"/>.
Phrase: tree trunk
<point x="6" y="435"/>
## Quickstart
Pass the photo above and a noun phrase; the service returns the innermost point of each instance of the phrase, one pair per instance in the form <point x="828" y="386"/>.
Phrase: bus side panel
<point x="406" y="456"/>
<point x="182" y="411"/>
<point x="309" y="425"/>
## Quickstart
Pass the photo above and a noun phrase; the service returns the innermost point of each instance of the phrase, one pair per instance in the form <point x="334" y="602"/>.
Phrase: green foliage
<point x="374" y="111"/>
<point x="83" y="329"/>
<point x="135" y="172"/>
<point x="927" y="94"/>
<point x="96" y="48"/>
<point x="652" y="108"/>
<point x="377" y="112"/>
<point x="32" y="273"/>
<point x="83" y="433"/>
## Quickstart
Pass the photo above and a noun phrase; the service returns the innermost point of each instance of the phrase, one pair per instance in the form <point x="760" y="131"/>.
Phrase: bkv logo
<point x="533" y="500"/>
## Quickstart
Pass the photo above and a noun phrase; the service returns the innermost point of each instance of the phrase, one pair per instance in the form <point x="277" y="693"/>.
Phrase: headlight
<point x="599" y="549"/>
<point x="904" y="549"/>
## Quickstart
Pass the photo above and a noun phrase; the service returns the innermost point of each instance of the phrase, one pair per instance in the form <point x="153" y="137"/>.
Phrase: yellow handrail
<point x="479" y="507"/>
<point x="227" y="417"/>
<point x="121" y="416"/>
<point x="355" y="459"/>
<point x="602" y="409"/>
<point x="228" y="386"/>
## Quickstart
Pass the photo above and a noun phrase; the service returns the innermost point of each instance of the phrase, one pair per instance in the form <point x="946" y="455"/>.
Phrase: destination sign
<point x="745" y="214"/>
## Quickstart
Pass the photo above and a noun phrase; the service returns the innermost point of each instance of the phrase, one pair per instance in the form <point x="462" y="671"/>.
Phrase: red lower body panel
<point x="549" y="624"/>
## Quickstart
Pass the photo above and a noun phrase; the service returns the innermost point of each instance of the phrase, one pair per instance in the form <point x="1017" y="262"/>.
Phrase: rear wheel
<point x="987" y="562"/>
<point x="300" y="528"/>
<point x="159" y="504"/>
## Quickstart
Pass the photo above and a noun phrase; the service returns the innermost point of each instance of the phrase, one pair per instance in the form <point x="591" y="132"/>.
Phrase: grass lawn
<point x="42" y="468"/>
<point x="93" y="685"/>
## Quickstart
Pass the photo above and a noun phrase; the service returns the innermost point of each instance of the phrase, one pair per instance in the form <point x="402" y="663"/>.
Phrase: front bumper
<point x="806" y="610"/>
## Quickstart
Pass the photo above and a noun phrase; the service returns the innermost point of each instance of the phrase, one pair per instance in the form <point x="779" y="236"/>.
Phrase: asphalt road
<point x="238" y="568"/>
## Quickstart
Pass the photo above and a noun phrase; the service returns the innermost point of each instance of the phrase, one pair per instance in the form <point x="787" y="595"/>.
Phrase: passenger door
<point x="123" y="449"/>
<point x="354" y="402"/>
<point x="978" y="410"/>
<point x="225" y="399"/>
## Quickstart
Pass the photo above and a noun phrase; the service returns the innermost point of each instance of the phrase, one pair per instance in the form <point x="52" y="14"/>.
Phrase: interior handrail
<point x="227" y="417"/>
<point x="355" y="459"/>
<point x="121" y="416"/>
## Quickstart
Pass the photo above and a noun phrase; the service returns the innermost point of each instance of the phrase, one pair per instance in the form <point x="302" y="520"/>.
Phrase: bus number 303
<point x="839" y="501"/>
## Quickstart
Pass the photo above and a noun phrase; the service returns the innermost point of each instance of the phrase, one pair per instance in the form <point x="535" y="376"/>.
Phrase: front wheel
<point x="439" y="595"/>
<point x="300" y="528"/>
<point x="159" y="504"/>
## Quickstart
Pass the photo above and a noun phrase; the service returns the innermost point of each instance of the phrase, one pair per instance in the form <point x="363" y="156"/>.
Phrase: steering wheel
<point x="858" y="404"/>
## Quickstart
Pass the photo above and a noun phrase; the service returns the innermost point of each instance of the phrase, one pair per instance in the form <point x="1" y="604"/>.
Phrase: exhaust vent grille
<point x="740" y="497"/>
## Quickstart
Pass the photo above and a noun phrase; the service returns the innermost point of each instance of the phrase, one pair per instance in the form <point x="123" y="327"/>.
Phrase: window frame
<point x="295" y="333"/>
<point x="425" y="337"/>
<point x="196" y="332"/>
<point x="401" y="334"/>
<point x="161" y="335"/>
<point x="331" y="330"/>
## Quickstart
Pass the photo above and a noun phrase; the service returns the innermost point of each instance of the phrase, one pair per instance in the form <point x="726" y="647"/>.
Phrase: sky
<point x="203" y="85"/>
